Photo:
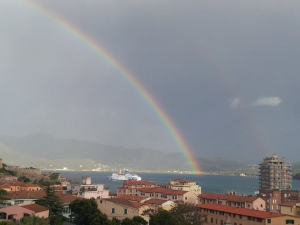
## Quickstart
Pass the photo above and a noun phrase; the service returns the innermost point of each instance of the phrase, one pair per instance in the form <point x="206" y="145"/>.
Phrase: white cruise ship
<point x="124" y="176"/>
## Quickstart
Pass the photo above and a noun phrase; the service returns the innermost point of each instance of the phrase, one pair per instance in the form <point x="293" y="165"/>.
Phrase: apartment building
<point x="223" y="214"/>
<point x="292" y="209"/>
<point x="168" y="194"/>
<point x="130" y="187"/>
<point x="87" y="189"/>
<point x="248" y="202"/>
<point x="275" y="174"/>
<point x="122" y="208"/>
<point x="184" y="185"/>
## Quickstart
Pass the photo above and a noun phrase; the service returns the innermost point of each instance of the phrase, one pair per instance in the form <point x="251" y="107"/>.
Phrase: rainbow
<point x="134" y="82"/>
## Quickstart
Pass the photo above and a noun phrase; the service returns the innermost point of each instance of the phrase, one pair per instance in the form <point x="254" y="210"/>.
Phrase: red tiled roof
<point x="66" y="198"/>
<point x="132" y="198"/>
<point x="112" y="194"/>
<point x="231" y="198"/>
<point x="24" y="195"/>
<point x="153" y="201"/>
<point x="162" y="191"/>
<point x="182" y="181"/>
<point x="239" y="211"/>
<point x="138" y="182"/>
<point x="35" y="207"/>
<point x="290" y="204"/>
<point x="125" y="202"/>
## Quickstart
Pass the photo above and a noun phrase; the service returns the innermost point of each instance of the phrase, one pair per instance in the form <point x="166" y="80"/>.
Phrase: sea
<point x="208" y="183"/>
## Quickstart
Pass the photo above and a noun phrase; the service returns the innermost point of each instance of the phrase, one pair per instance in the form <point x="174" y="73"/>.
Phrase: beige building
<point x="122" y="208"/>
<point x="168" y="194"/>
<point x="275" y="174"/>
<point x="292" y="209"/>
<point x="130" y="187"/>
<point x="184" y="185"/>
<point x="248" y="202"/>
<point x="222" y="215"/>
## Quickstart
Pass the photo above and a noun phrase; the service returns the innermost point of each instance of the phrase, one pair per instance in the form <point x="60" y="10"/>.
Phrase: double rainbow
<point x="134" y="82"/>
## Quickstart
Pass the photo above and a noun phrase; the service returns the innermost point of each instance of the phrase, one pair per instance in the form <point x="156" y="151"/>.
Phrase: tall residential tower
<point x="275" y="174"/>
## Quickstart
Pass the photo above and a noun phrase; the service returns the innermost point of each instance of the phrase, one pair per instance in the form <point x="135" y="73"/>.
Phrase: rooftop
<point x="125" y="202"/>
<point x="162" y="191"/>
<point x="240" y="211"/>
<point x="35" y="207"/>
<point x="231" y="198"/>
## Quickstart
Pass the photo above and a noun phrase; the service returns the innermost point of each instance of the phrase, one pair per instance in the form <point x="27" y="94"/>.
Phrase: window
<point x="261" y="205"/>
<point x="185" y="198"/>
<point x="211" y="211"/>
<point x="112" y="210"/>
<point x="269" y="220"/>
<point x="259" y="220"/>
<point x="248" y="205"/>
<point x="289" y="221"/>
<point x="125" y="211"/>
<point x="235" y="223"/>
<point x="222" y="213"/>
<point x="10" y="217"/>
<point x="249" y="217"/>
<point x="241" y="216"/>
<point x="100" y="201"/>
<point x="221" y="222"/>
<point x="211" y="220"/>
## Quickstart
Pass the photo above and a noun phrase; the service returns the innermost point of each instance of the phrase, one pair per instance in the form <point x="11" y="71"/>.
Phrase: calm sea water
<point x="208" y="183"/>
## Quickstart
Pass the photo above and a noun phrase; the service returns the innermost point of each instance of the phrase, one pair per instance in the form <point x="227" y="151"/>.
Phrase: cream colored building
<point x="292" y="209"/>
<point x="184" y="185"/>
<point x="222" y="215"/>
<point x="122" y="208"/>
<point x="248" y="202"/>
<point x="168" y="194"/>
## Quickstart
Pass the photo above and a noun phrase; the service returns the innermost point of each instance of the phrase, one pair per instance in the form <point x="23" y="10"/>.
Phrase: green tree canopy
<point x="86" y="212"/>
<point x="33" y="220"/>
<point x="55" y="206"/>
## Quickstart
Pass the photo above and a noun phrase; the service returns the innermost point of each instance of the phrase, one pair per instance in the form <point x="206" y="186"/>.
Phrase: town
<point x="57" y="201"/>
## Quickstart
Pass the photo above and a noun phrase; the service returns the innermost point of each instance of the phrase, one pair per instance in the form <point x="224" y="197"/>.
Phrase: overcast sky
<point x="226" y="72"/>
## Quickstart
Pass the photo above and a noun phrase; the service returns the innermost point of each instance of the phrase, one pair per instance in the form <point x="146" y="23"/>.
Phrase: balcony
<point x="88" y="189"/>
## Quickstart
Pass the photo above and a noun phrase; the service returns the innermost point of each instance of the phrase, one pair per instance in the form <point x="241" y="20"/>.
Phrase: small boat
<point x="124" y="176"/>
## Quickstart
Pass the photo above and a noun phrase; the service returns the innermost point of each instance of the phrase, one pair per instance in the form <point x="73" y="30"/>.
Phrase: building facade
<point x="130" y="187"/>
<point x="222" y="215"/>
<point x="275" y="174"/>
<point x="87" y="189"/>
<point x="184" y="185"/>
<point x="248" y="202"/>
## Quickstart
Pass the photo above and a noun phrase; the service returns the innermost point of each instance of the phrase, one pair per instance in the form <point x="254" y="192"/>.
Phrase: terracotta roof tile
<point x="66" y="198"/>
<point x="240" y="211"/>
<point x="112" y="194"/>
<point x="35" y="207"/>
<point x="153" y="201"/>
<point x="231" y="198"/>
<point x="164" y="191"/>
<point x="24" y="195"/>
<point x="124" y="202"/>
<point x="132" y="198"/>
<point x="183" y="181"/>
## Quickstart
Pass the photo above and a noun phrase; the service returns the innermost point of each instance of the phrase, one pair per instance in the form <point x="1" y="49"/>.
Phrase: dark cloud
<point x="196" y="58"/>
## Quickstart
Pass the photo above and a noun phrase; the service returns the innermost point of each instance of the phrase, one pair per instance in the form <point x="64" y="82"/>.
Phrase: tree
<point x="180" y="214"/>
<point x="187" y="213"/>
<point x="86" y="212"/>
<point x="2" y="193"/>
<point x="55" y="206"/>
<point x="139" y="220"/>
<point x="33" y="220"/>
<point x="160" y="217"/>
<point x="115" y="221"/>
<point x="128" y="221"/>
